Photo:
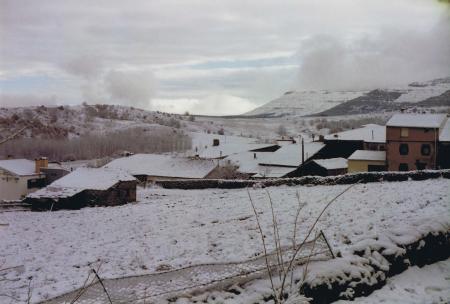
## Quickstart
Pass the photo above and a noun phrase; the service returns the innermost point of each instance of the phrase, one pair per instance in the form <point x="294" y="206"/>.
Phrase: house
<point x="19" y="177"/>
<point x="343" y="144"/>
<point x="324" y="167"/>
<point x="285" y="161"/>
<point x="412" y="141"/>
<point x="367" y="161"/>
<point x="152" y="167"/>
<point x="222" y="150"/>
<point x="85" y="187"/>
<point x="292" y="155"/>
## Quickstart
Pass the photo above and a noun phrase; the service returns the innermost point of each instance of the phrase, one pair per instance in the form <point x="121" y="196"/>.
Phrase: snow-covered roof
<point x="332" y="163"/>
<point x="21" y="167"/>
<point x="368" y="155"/>
<point x="226" y="149"/>
<point x="273" y="171"/>
<point x="248" y="164"/>
<point x="163" y="165"/>
<point x="291" y="155"/>
<point x="368" y="133"/>
<point x="445" y="133"/>
<point x="246" y="161"/>
<point x="417" y="120"/>
<point x="82" y="179"/>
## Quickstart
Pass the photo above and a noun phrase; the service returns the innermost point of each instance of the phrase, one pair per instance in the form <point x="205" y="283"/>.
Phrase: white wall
<point x="14" y="187"/>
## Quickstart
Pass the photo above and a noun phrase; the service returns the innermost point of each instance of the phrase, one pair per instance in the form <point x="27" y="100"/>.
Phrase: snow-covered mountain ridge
<point x="433" y="93"/>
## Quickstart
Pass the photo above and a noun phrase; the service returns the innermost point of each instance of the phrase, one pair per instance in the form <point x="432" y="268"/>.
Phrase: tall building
<point x="412" y="141"/>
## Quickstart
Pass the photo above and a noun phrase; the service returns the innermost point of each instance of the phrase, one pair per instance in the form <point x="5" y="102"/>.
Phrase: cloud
<point x="93" y="49"/>
<point x="385" y="59"/>
<point x="217" y="104"/>
<point x="130" y="88"/>
<point x="85" y="66"/>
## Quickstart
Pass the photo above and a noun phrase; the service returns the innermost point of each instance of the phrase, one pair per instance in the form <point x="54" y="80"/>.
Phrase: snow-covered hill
<point x="303" y="103"/>
<point x="74" y="121"/>
<point x="356" y="102"/>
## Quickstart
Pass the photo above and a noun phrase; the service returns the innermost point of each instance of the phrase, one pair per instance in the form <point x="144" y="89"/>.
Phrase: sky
<point x="213" y="57"/>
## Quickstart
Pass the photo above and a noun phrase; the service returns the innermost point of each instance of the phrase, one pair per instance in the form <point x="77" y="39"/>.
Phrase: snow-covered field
<point x="175" y="228"/>
<point x="429" y="284"/>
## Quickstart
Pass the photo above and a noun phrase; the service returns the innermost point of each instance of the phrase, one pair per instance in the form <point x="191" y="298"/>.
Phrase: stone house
<point x="86" y="187"/>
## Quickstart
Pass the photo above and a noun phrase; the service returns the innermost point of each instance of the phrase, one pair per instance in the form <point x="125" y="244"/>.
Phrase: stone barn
<point x="86" y="187"/>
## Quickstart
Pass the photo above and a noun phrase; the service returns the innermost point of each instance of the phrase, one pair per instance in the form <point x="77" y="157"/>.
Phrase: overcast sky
<point x="213" y="57"/>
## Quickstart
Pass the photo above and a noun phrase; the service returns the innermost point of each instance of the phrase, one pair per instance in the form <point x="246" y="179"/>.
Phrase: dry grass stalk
<point x="279" y="293"/>
<point x="276" y="236"/>
<point x="29" y="291"/>
<point x="262" y="239"/>
<point x="311" y="229"/>
<point x="294" y="238"/>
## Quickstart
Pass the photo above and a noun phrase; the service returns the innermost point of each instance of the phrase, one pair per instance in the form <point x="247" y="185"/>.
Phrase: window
<point x="36" y="183"/>
<point x="425" y="149"/>
<point x="403" y="149"/>
<point x="404" y="132"/>
<point x="403" y="167"/>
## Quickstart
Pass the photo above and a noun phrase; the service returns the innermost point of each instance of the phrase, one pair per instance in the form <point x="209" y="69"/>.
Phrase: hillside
<point x="74" y="121"/>
<point x="371" y="102"/>
<point x="442" y="100"/>
<point x="303" y="103"/>
<point x="433" y="93"/>
<point x="94" y="131"/>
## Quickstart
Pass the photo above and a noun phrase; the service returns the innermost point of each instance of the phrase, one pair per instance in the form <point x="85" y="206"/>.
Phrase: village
<point x="224" y="152"/>
<point x="407" y="142"/>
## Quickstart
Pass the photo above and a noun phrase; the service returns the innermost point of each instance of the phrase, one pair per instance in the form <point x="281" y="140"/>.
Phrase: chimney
<point x="216" y="142"/>
<point x="254" y="155"/>
<point x="40" y="162"/>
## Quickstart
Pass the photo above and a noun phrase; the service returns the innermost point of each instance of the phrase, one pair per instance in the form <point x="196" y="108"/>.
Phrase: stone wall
<point x="365" y="177"/>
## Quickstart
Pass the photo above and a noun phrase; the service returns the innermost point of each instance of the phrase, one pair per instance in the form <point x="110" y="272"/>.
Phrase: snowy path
<point x="190" y="279"/>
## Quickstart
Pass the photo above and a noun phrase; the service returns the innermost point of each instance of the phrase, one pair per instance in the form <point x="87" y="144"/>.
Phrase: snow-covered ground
<point x="175" y="228"/>
<point x="429" y="284"/>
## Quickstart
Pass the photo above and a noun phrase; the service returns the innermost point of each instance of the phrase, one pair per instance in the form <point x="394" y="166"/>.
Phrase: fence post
<point x="328" y="245"/>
